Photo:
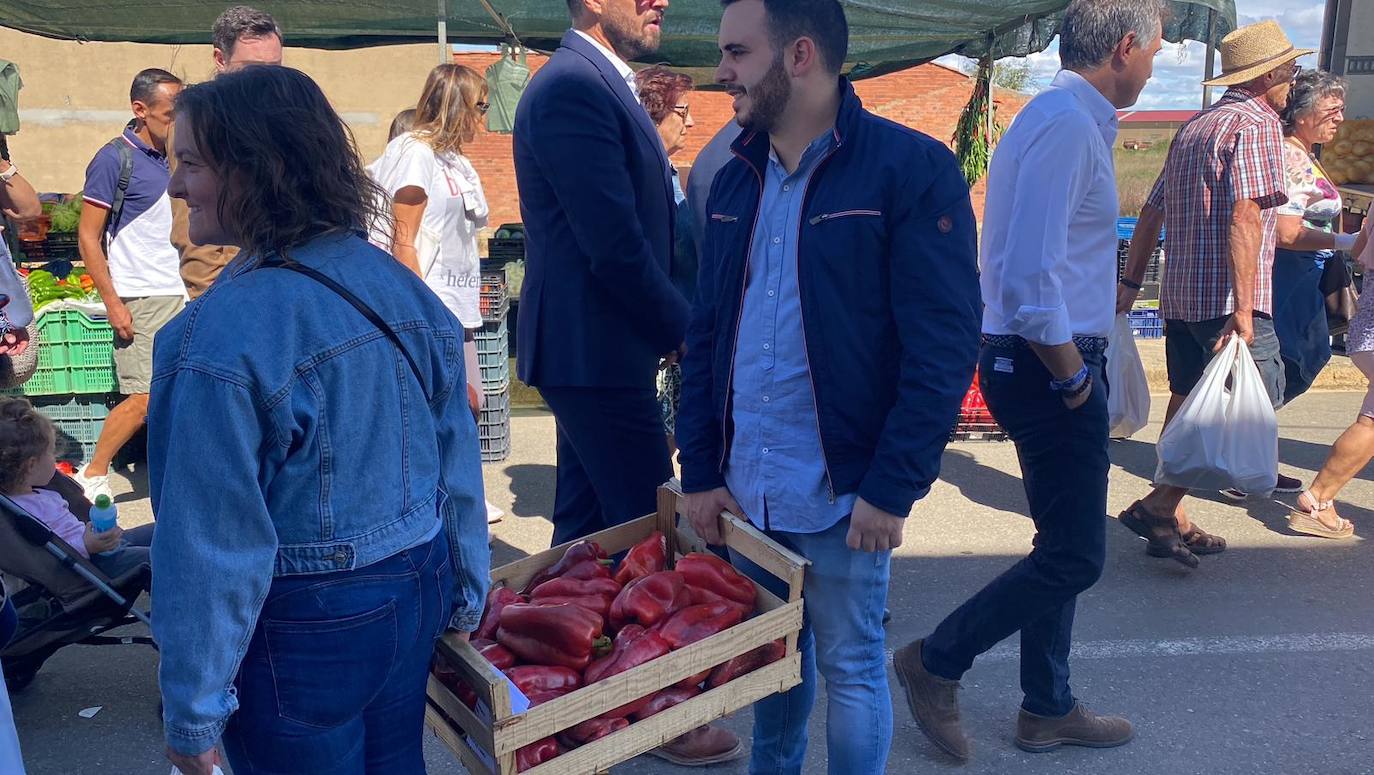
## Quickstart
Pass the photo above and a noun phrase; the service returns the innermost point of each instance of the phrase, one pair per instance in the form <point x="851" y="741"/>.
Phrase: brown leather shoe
<point x="934" y="701"/>
<point x="701" y="747"/>
<point x="1038" y="734"/>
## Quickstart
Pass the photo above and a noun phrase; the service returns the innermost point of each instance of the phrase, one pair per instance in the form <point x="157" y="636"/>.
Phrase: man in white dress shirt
<point x="1048" y="275"/>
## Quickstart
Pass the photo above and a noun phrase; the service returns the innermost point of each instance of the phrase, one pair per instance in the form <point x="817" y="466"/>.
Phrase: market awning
<point x="885" y="35"/>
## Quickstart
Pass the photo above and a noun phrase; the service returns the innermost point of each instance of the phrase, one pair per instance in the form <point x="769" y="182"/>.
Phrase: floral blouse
<point x="1311" y="194"/>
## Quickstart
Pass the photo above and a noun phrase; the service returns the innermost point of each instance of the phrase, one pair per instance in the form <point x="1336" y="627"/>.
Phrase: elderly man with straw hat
<point x="1217" y="196"/>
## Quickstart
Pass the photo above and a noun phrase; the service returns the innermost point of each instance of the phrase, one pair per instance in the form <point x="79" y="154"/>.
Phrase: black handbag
<point x="1338" y="290"/>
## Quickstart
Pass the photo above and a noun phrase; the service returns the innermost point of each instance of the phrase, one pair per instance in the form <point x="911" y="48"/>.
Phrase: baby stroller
<point x="64" y="598"/>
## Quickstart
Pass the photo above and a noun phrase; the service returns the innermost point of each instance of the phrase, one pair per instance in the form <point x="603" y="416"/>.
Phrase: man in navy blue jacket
<point x="834" y="336"/>
<point x="598" y="312"/>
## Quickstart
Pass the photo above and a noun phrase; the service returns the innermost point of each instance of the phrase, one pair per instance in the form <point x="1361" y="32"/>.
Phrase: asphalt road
<point x="1261" y="661"/>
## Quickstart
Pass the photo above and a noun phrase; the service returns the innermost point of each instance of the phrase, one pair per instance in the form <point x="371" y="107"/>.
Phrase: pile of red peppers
<point x="585" y="619"/>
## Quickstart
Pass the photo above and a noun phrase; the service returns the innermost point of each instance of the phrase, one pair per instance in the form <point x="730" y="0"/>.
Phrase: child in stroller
<point x="27" y="462"/>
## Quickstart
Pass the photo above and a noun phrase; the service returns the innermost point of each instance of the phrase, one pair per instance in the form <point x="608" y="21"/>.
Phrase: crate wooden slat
<point x="477" y="743"/>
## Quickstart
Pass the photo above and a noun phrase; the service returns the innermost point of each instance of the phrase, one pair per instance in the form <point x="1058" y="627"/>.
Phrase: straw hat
<point x="1253" y="50"/>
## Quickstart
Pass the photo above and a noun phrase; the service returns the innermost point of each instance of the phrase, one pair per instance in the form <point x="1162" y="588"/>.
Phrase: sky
<point x="1178" y="68"/>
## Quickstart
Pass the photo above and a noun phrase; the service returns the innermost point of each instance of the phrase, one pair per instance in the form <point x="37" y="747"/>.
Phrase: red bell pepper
<point x="647" y="600"/>
<point x="588" y="569"/>
<point x="747" y="662"/>
<point x="710" y="572"/>
<point x="451" y="680"/>
<point x="499" y="656"/>
<point x="665" y="699"/>
<point x="544" y="678"/>
<point x="577" y="553"/>
<point x="634" y="646"/>
<point x="595" y="595"/>
<point x="536" y="753"/>
<point x="647" y="556"/>
<point x="697" y="622"/>
<point x="497" y="599"/>
<point x="699" y="596"/>
<point x="592" y="729"/>
<point x="539" y="698"/>
<point x="563" y="635"/>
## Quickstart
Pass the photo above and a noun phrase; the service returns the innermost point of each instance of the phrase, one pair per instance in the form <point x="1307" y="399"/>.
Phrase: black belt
<point x="1085" y="344"/>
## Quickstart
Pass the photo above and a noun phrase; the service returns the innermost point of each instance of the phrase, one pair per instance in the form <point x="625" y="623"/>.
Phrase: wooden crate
<point x="465" y="733"/>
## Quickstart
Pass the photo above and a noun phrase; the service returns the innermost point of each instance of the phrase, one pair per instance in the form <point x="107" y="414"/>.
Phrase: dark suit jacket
<point x="597" y="308"/>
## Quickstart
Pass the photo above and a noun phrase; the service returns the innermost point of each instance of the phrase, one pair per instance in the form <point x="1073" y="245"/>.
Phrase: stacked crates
<point x="1149" y="291"/>
<point x="493" y="357"/>
<point x="1146" y="323"/>
<point x="976" y="422"/>
<point x="75" y="381"/>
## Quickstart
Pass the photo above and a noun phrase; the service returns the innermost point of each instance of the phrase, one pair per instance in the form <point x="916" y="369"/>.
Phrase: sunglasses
<point x="483" y="107"/>
<point x="682" y="110"/>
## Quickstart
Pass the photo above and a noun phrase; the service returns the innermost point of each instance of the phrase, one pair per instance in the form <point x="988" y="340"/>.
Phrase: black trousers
<point x="612" y="456"/>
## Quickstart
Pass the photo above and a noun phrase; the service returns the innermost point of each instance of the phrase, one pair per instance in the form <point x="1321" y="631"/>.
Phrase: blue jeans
<point x="1064" y="467"/>
<point x="842" y="635"/>
<point x="334" y="678"/>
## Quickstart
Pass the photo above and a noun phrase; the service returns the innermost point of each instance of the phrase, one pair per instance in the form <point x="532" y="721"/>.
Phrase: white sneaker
<point x="494" y="514"/>
<point x="94" y="486"/>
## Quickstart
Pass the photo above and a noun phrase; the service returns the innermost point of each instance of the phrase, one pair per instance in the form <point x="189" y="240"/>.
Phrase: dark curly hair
<point x="660" y="89"/>
<point x="289" y="166"/>
<point x="24" y="435"/>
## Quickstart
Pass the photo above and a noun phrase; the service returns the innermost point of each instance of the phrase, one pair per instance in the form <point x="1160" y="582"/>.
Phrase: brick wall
<point x="927" y="98"/>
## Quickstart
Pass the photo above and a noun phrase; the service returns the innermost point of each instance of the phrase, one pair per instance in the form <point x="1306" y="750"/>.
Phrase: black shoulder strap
<point x="275" y="262"/>
<point x="126" y="171"/>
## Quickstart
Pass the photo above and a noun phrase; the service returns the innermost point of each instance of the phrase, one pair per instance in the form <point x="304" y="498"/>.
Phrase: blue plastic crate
<point x="1146" y="323"/>
<point x="79" y="420"/>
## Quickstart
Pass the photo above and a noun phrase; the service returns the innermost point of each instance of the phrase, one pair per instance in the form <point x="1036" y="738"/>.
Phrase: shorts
<point x="133" y="360"/>
<point x="1188" y="350"/>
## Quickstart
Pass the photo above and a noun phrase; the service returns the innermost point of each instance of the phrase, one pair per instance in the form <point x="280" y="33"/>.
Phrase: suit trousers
<point x="612" y="456"/>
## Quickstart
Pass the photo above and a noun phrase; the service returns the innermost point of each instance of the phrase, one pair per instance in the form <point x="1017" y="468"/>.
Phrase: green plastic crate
<point x="75" y="356"/>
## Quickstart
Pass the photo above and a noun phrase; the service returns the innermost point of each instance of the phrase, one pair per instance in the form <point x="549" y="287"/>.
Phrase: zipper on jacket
<point x="819" y="219"/>
<point x="739" y="318"/>
<point x="724" y="218"/>
<point x="810" y="373"/>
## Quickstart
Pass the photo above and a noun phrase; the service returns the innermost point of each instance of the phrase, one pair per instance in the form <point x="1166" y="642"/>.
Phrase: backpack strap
<point x="276" y="262"/>
<point x="126" y="171"/>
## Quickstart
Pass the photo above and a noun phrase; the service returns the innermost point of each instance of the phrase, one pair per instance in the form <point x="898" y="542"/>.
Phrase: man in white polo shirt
<point x="124" y="236"/>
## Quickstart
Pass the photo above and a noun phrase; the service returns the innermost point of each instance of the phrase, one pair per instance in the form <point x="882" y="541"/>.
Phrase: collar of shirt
<point x="818" y="146"/>
<point x="619" y="64"/>
<point x="1239" y="94"/>
<point x="133" y="139"/>
<point x="1094" y="104"/>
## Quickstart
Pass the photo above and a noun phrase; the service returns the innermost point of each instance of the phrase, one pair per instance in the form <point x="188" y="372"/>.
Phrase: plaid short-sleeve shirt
<point x="1229" y="152"/>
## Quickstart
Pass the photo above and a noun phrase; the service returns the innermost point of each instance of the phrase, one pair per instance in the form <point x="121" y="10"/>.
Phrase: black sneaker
<point x="1288" y="484"/>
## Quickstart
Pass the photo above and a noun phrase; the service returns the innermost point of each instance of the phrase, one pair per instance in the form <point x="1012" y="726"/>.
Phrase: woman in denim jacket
<point x="316" y="482"/>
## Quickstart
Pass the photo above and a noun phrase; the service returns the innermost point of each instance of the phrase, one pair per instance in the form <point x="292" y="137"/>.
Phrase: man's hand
<point x="1082" y="398"/>
<point x="120" y="320"/>
<point x="1125" y="299"/>
<point x="14" y="342"/>
<point x="673" y="357"/>
<point x="463" y="636"/>
<point x="200" y="764"/>
<point x="1242" y="323"/>
<point x="703" y="511"/>
<point x="872" y="529"/>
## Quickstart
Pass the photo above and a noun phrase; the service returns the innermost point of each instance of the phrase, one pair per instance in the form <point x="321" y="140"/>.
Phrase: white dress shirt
<point x="619" y="64"/>
<point x="1048" y="257"/>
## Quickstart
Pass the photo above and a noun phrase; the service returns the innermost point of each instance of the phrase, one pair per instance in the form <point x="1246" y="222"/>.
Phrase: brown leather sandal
<point x="1197" y="540"/>
<point x="1161" y="533"/>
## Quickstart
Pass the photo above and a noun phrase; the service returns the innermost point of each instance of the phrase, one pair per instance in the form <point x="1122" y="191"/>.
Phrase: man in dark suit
<point x="598" y="312"/>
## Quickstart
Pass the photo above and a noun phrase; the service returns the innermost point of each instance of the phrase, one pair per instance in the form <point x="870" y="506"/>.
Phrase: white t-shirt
<point x="455" y="210"/>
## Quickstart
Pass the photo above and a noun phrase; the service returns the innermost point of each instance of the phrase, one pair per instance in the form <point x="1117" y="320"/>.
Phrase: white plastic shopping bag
<point x="1224" y="436"/>
<point x="1128" y="399"/>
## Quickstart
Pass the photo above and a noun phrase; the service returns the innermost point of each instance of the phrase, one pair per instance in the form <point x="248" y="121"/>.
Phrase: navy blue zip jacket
<point x="888" y="271"/>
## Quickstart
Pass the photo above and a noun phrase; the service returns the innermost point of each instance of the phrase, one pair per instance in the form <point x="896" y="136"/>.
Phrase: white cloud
<point x="1177" y="82"/>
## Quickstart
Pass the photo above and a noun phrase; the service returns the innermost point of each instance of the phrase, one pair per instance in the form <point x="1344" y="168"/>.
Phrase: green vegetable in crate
<point x="44" y="289"/>
<point x="65" y="217"/>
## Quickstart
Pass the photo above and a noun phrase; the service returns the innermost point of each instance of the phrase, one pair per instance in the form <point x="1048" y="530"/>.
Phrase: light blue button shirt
<point x="776" y="469"/>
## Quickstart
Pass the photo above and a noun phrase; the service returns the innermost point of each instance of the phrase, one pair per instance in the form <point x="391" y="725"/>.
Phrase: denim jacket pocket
<point x="315" y="665"/>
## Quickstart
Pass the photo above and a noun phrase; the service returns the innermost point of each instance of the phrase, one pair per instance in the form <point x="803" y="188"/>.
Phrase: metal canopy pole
<point x="444" y="56"/>
<point x="1211" y="64"/>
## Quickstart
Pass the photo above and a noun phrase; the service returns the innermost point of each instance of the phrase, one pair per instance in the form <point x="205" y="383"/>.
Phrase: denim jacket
<point x="287" y="435"/>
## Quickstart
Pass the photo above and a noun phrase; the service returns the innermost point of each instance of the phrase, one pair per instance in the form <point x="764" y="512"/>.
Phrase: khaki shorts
<point x="134" y="359"/>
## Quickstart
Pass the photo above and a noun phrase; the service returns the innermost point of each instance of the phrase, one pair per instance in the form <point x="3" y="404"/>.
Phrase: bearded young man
<point x="599" y="312"/>
<point x="834" y="336"/>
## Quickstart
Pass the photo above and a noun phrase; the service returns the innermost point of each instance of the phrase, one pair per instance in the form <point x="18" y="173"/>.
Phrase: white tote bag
<point x="1223" y="436"/>
<point x="1128" y="402"/>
